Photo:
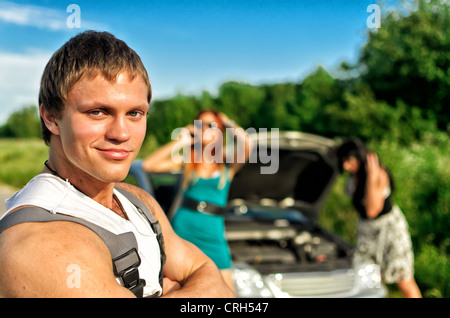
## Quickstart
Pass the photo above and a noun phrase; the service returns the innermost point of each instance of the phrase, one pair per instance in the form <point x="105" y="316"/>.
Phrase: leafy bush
<point x="422" y="180"/>
<point x="338" y="214"/>
<point x="433" y="271"/>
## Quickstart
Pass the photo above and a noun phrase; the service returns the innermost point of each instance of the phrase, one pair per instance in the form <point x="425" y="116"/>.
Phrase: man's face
<point x="103" y="126"/>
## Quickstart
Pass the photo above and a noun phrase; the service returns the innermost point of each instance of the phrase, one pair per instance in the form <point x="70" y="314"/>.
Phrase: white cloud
<point x="19" y="80"/>
<point x="41" y="17"/>
<point x="31" y="15"/>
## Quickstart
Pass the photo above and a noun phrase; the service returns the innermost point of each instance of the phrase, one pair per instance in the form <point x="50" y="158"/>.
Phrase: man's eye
<point x="96" y="112"/>
<point x="136" y="114"/>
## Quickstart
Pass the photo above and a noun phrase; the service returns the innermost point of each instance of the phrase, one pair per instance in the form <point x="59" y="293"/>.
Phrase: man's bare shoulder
<point x="38" y="259"/>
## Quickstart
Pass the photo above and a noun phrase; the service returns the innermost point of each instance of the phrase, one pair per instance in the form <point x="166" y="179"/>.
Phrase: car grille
<point x="319" y="284"/>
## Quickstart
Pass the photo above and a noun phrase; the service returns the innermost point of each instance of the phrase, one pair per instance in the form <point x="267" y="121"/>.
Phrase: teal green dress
<point x="206" y="231"/>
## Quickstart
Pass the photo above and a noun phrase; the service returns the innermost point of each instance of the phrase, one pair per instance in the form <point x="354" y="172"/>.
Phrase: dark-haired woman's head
<point x="351" y="154"/>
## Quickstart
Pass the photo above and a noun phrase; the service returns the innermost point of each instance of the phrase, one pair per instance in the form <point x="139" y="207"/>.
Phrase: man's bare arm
<point x="56" y="259"/>
<point x="186" y="264"/>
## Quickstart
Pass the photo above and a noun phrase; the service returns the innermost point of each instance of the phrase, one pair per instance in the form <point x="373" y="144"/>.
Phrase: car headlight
<point x="248" y="283"/>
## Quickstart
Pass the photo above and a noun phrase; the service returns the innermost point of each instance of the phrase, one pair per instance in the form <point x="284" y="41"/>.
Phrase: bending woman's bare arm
<point x="376" y="183"/>
<point x="56" y="259"/>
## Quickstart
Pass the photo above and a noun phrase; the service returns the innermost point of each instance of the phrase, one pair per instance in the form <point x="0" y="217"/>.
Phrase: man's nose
<point x="118" y="129"/>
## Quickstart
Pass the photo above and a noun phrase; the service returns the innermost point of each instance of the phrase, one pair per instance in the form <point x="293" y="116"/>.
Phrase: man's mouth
<point x="115" y="154"/>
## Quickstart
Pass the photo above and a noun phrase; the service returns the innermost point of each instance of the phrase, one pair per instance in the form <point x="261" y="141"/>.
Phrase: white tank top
<point x="58" y="196"/>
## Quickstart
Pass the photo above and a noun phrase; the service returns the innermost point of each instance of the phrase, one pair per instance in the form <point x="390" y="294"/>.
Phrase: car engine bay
<point x="282" y="245"/>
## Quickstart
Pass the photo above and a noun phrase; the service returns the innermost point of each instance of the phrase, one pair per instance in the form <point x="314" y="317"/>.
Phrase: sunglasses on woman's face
<point x="209" y="125"/>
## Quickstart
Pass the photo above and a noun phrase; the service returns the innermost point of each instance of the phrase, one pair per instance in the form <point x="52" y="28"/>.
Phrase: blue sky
<point x="187" y="46"/>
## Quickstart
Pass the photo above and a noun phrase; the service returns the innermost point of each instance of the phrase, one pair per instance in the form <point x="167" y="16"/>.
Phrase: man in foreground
<point x="94" y="98"/>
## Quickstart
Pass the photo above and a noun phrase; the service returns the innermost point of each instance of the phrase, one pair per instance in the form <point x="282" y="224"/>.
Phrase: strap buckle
<point x="126" y="266"/>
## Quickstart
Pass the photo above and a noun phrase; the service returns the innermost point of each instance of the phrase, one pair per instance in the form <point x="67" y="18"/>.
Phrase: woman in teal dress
<point x="208" y="172"/>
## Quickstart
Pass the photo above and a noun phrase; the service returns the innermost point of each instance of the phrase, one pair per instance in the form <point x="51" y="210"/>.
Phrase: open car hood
<point x="306" y="171"/>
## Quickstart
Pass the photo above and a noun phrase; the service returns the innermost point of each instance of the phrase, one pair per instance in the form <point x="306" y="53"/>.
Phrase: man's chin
<point x="114" y="175"/>
<point x="116" y="178"/>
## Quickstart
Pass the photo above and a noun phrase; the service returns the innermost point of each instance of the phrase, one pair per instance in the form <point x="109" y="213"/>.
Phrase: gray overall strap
<point x="156" y="227"/>
<point x="123" y="247"/>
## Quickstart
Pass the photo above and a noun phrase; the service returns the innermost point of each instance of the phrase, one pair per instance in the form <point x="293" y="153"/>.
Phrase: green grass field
<point x="20" y="160"/>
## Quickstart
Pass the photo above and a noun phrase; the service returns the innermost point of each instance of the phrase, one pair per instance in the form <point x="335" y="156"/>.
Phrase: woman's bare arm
<point x="376" y="183"/>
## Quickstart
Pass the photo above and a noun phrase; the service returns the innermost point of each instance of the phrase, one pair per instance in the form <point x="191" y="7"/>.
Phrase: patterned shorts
<point x="386" y="240"/>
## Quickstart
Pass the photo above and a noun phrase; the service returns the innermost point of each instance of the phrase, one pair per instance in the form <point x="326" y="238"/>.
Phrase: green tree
<point x="240" y="102"/>
<point x="319" y="91"/>
<point x="166" y="115"/>
<point x="408" y="58"/>
<point x="24" y="123"/>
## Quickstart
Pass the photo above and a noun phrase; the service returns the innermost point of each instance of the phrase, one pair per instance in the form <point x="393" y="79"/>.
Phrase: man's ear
<point x="49" y="120"/>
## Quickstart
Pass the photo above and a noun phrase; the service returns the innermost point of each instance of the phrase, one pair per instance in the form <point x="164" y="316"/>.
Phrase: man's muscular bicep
<point x="55" y="259"/>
